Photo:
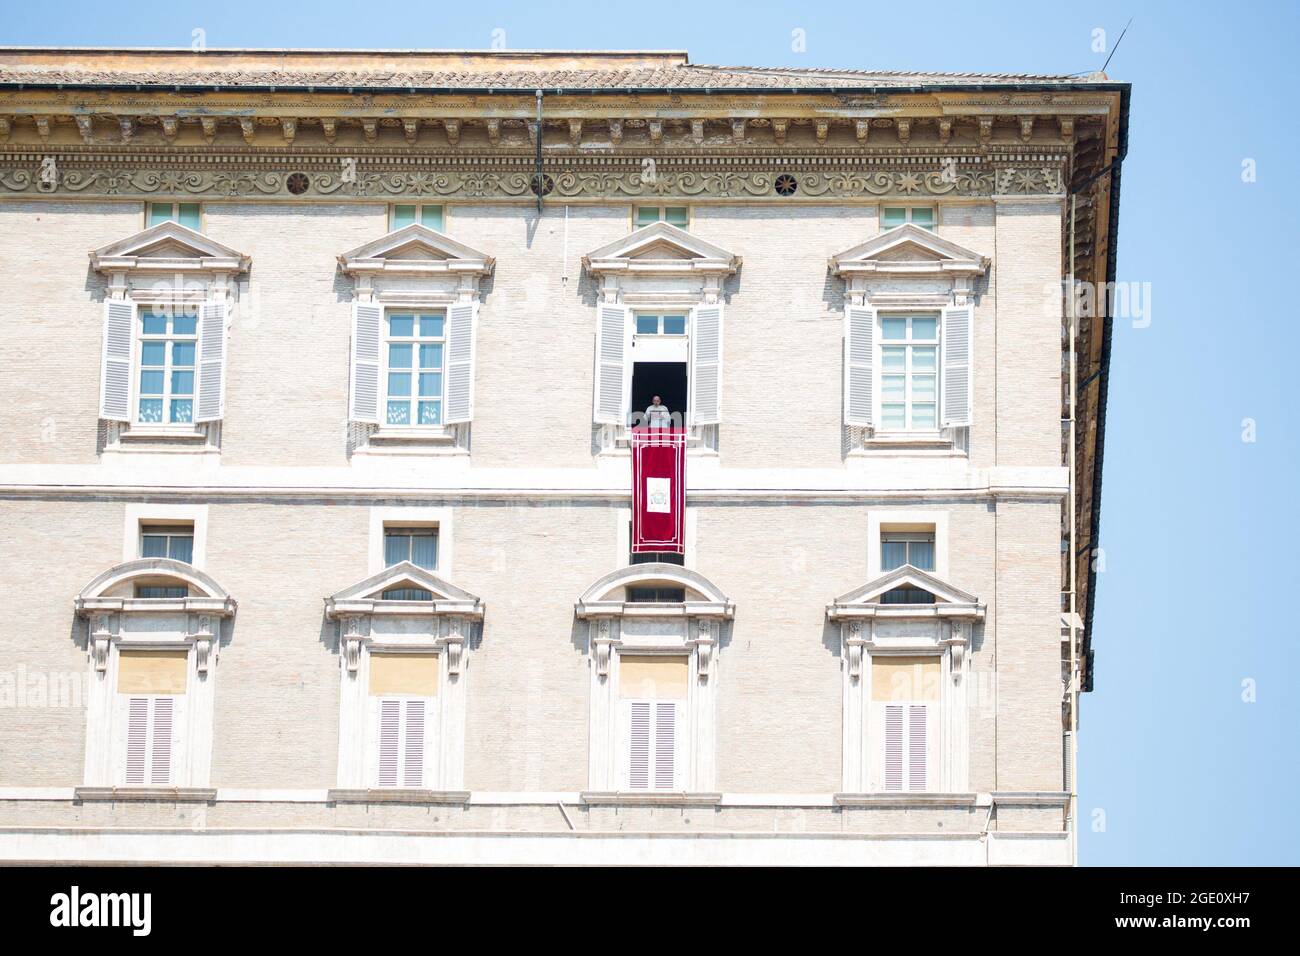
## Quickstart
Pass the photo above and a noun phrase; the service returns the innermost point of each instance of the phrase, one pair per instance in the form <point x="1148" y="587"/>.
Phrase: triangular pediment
<point x="909" y="248"/>
<point x="412" y="246"/>
<point x="171" y="243"/>
<point x="661" y="244"/>
<point x="409" y="576"/>
<point x="906" y="577"/>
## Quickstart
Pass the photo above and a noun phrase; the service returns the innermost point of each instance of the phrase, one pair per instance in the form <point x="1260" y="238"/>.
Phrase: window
<point x="414" y="368"/>
<point x="652" y="691"/>
<point x="151" y="687"/>
<point x="417" y="545"/>
<point x="167" y="541"/>
<point x="909" y="364"/>
<point x="679" y="216"/>
<point x="898" y="548"/>
<point x="403" y="688"/>
<point x="892" y="216"/>
<point x="907" y="596"/>
<point x="161" y="591"/>
<point x="188" y="214"/>
<point x="404" y="215"/>
<point x="647" y="324"/>
<point x="656" y="595"/>
<point x="905" y="694"/>
<point x="168" y="341"/>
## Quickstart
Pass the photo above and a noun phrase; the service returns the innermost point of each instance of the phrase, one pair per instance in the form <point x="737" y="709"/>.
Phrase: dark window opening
<point x="408" y="594"/>
<point x="162" y="590"/>
<point x="656" y="595"/>
<point x="907" y="596"/>
<point x="665" y="379"/>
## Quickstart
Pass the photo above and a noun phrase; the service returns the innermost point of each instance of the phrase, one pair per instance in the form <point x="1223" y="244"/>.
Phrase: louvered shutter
<point x="461" y="320"/>
<point x="389" y="730"/>
<point x="639" y="746"/>
<point x="160" y="735"/>
<point x="211" y="404"/>
<point x="137" y="739"/>
<point x="665" y="745"/>
<point x="893" y="746"/>
<point x="413" y="745"/>
<point x="612" y="400"/>
<point x="706" y="365"/>
<point x="956" y="365"/>
<point x="859" y="365"/>
<point x="916" y="746"/>
<point x="115" y="371"/>
<point x="363" y="402"/>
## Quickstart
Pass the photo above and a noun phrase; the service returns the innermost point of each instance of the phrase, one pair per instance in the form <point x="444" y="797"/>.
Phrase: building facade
<point x="316" y="480"/>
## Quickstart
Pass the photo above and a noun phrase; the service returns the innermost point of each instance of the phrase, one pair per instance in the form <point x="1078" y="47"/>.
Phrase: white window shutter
<point x="665" y="745"/>
<point x="613" y="356"/>
<point x="706" y="365"/>
<point x="859" y="365"/>
<point x="389" y="728"/>
<point x="115" y="372"/>
<point x="211" y="394"/>
<point x="893" y="746"/>
<point x="137" y="739"/>
<point x="160" y="760"/>
<point x="461" y="321"/>
<point x="413" y="744"/>
<point x="639" y="747"/>
<point x="956" y="365"/>
<point x="917" y="715"/>
<point x="363" y="403"/>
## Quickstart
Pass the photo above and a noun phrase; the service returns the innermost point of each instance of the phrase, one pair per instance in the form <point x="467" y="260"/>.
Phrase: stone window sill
<point x="906" y="799"/>
<point x="430" y="436"/>
<point x="625" y="798"/>
<point x="186" y="433"/>
<point x="395" y="795"/>
<point x="144" y="794"/>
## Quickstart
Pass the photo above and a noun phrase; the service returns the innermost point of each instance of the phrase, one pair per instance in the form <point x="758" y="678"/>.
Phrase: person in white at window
<point x="657" y="414"/>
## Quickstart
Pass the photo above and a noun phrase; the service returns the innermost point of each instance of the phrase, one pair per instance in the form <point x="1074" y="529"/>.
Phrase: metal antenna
<point x="1112" y="49"/>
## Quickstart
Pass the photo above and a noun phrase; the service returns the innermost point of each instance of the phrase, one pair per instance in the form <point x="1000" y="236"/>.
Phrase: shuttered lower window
<point x="905" y="699"/>
<point x="151" y="688"/>
<point x="652" y="692"/>
<point x="403" y="688"/>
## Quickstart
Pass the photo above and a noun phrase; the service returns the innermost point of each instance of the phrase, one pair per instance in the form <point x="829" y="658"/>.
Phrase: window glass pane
<point x="153" y="546"/>
<point x="923" y="416"/>
<point x="923" y="388"/>
<point x="431" y="326"/>
<point x="923" y="358"/>
<point x="424" y="551"/>
<point x="189" y="216"/>
<point x="677" y="216"/>
<point x="399" y="355"/>
<point x="159" y="212"/>
<point x="431" y="356"/>
<point x="674" y="325"/>
<point x="891" y="416"/>
<point x="399" y="413"/>
<point x="430" y="385"/>
<point x="182" y="410"/>
<point x="151" y="409"/>
<point x="153" y="353"/>
<point x="397" y="548"/>
<point x="403" y="216"/>
<point x="160" y="591"/>
<point x="893" y="388"/>
<point x="893" y="358"/>
<point x="407" y="594"/>
<point x="894" y="216"/>
<point x="893" y="328"/>
<point x="431" y="216"/>
<point x="893" y="554"/>
<point x="431" y="413"/>
<point x="920" y="554"/>
<point x="399" y="383"/>
<point x="401" y="326"/>
<point x="183" y="324"/>
<point x="151" y="382"/>
<point x="923" y="217"/>
<point x="925" y="328"/>
<point x="182" y="548"/>
<point x="153" y="324"/>
<point x="647" y="325"/>
<point x="182" y="383"/>
<point x="645" y="215"/>
<point x="182" y="353"/>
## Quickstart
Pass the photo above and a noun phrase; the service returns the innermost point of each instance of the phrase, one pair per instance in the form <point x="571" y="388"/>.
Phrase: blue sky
<point x="1195" y="520"/>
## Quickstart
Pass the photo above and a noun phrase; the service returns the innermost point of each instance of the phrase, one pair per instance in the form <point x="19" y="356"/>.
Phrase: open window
<point x="653" y="632"/>
<point x="659" y="332"/>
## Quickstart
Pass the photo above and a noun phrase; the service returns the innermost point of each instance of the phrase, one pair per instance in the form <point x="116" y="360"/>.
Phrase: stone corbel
<point x="862" y="129"/>
<point x="738" y="131"/>
<point x="853" y="644"/>
<point x="370" y="130"/>
<point x="600" y="646"/>
<point x="86" y="126"/>
<point x="822" y="129"/>
<point x="4" y="128"/>
<point x="43" y="128"/>
<point x="127" y="125"/>
<point x="330" y="128"/>
<point x="904" y="130"/>
<point x="1026" y="128"/>
<point x="289" y="129"/>
<point x="352" y="632"/>
<point x="209" y="124"/>
<point x="1067" y="128"/>
<point x="957" y="643"/>
<point x="100" y="638"/>
<point x="575" y="132"/>
<point x="412" y="129"/>
<point x="656" y="131"/>
<point x="986" y="130"/>
<point x="779" y="128"/>
<point x="455" y="644"/>
<point x="616" y="131"/>
<point x="203" y="643"/>
<point x="945" y="131"/>
<point x="248" y="127"/>
<point x="494" y="131"/>
<point x="705" y="644"/>
<point x="170" y="125"/>
<point x="452" y="126"/>
<point x="697" y="131"/>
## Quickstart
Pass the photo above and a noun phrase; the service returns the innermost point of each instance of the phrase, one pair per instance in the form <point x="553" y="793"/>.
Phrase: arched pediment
<point x="367" y="597"/>
<point x="867" y="600"/>
<point x="909" y="250"/>
<point x="608" y="594"/>
<point x="114" y="589"/>
<point x="168" y="247"/>
<point x="416" y="250"/>
<point x="661" y="249"/>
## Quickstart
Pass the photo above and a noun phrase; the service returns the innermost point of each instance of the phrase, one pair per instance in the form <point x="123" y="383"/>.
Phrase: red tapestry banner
<point x="658" y="490"/>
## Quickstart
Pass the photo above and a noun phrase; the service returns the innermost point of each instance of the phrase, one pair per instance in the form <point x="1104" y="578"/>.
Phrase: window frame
<point x="661" y="211"/>
<point x="907" y="538"/>
<point x="169" y="338"/>
<point x="907" y="344"/>
<point x="886" y="521"/>
<point x="414" y="370"/>
<point x="411" y="531"/>
<point x="174" y="215"/>
<point x="908" y="213"/>
<point x="420" y="207"/>
<point x="169" y="531"/>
